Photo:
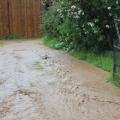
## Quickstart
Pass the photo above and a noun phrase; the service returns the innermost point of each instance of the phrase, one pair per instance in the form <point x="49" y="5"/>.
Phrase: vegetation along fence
<point x="116" y="71"/>
<point x="20" y="17"/>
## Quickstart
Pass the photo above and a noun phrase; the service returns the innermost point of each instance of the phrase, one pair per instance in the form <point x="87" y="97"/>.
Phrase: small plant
<point x="53" y="43"/>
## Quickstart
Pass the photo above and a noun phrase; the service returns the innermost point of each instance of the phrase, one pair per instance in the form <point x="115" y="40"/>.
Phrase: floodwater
<point x="39" y="83"/>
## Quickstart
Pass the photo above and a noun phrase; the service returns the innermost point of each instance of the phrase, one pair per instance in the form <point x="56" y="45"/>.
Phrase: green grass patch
<point x="103" y="61"/>
<point x="52" y="43"/>
<point x="11" y="37"/>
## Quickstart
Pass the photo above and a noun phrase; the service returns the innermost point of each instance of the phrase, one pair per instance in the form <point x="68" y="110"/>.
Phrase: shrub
<point x="86" y="25"/>
<point x="51" y="21"/>
<point x="68" y="33"/>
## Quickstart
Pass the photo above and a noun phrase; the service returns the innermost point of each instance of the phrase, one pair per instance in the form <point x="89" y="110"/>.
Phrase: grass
<point x="103" y="61"/>
<point x="52" y="43"/>
<point x="10" y="37"/>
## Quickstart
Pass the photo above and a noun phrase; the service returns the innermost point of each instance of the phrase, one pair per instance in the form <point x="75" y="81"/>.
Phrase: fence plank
<point x="20" y="17"/>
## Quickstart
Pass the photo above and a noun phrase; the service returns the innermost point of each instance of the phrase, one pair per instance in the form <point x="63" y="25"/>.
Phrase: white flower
<point x="83" y="13"/>
<point x="62" y="2"/>
<point x="117" y="2"/>
<point x="109" y="8"/>
<point x="73" y="7"/>
<point x="75" y="13"/>
<point x="107" y="26"/>
<point x="79" y="12"/>
<point x="58" y="10"/>
<point x="91" y="24"/>
<point x="77" y="17"/>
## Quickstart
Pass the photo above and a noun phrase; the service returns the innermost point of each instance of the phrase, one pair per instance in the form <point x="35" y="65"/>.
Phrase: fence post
<point x="116" y="51"/>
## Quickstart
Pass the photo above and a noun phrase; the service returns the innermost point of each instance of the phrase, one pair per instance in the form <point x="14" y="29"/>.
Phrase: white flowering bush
<point x="83" y="24"/>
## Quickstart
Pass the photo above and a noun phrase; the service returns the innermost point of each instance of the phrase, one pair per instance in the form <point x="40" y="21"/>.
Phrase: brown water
<point x="38" y="83"/>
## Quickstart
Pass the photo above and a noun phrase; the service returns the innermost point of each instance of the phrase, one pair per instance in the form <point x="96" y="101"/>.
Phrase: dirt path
<point x="38" y="83"/>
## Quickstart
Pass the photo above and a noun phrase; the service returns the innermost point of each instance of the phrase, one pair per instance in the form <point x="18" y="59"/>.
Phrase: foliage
<point x="53" y="43"/>
<point x="48" y="3"/>
<point x="68" y="33"/>
<point x="82" y="25"/>
<point x="51" y="21"/>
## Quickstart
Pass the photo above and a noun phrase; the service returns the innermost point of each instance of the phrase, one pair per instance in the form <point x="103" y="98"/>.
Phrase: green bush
<point x="51" y="21"/>
<point x="68" y="33"/>
<point x="82" y="25"/>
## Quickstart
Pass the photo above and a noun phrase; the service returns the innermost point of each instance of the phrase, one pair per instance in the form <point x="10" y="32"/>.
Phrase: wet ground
<point x="38" y="83"/>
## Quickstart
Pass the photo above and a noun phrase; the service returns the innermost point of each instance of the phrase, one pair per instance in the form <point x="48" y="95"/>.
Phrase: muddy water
<point x="38" y="83"/>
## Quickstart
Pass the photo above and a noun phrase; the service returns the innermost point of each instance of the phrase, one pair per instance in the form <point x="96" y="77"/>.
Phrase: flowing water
<point x="39" y="83"/>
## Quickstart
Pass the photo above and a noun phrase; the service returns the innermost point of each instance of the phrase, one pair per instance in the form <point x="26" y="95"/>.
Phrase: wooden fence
<point x="20" y="17"/>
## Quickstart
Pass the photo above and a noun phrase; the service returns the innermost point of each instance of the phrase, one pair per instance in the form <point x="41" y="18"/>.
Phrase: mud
<point x="38" y="83"/>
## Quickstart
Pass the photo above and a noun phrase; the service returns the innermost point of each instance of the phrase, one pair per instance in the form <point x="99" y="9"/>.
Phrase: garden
<point x="84" y="28"/>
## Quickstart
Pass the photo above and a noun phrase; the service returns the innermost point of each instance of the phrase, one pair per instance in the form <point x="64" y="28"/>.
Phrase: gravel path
<point x="39" y="83"/>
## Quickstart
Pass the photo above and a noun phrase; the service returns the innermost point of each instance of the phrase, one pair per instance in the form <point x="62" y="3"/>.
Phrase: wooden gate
<point x="20" y="17"/>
